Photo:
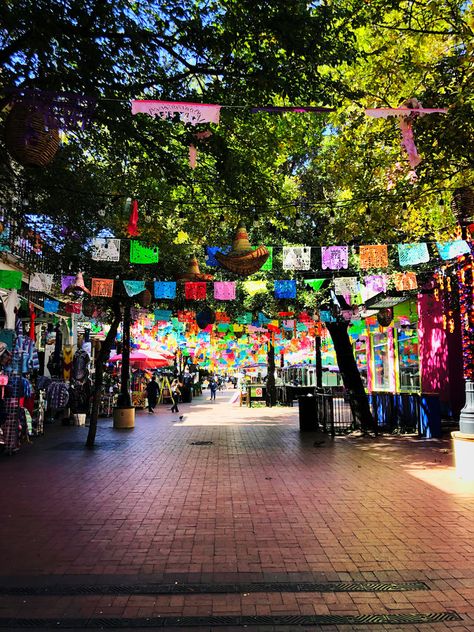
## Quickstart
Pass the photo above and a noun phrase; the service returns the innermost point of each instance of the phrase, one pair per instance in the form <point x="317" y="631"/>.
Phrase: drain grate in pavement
<point x="201" y="589"/>
<point x="80" y="445"/>
<point x="230" y="620"/>
<point x="202" y="443"/>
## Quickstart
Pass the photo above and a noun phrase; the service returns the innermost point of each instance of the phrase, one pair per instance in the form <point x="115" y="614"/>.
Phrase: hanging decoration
<point x="192" y="156"/>
<point x="192" y="113"/>
<point x="285" y="289"/>
<point x="243" y="259"/>
<point x="224" y="290"/>
<point x="406" y="113"/>
<point x="29" y="140"/>
<point x="254" y="287"/>
<point x="405" y="281"/>
<point x="102" y="287"/>
<point x="88" y="308"/>
<point x="462" y="204"/>
<point x="66" y="281"/>
<point x="165" y="289"/>
<point x="77" y="286"/>
<point x="73" y="308"/>
<point x="314" y="284"/>
<point x="50" y="306"/>
<point x="162" y="315"/>
<point x="134" y="287"/>
<point x="132" y="227"/>
<point x="334" y="257"/>
<point x="41" y="282"/>
<point x="145" y="298"/>
<point x="211" y="260"/>
<point x="139" y="253"/>
<point x="186" y="316"/>
<point x="205" y="317"/>
<point x="375" y="256"/>
<point x="222" y="317"/>
<point x="413" y="254"/>
<point x="10" y="279"/>
<point x="452" y="249"/>
<point x="268" y="265"/>
<point x="4" y="238"/>
<point x="105" y="249"/>
<point x="195" y="290"/>
<point x="346" y="286"/>
<point x="296" y="258"/>
<point x="193" y="272"/>
<point x="375" y="284"/>
<point x="385" y="316"/>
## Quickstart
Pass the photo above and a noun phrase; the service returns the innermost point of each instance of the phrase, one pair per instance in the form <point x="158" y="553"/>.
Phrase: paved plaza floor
<point x="232" y="519"/>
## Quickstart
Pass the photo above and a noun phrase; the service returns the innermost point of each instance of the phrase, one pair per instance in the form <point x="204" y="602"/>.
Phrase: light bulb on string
<point x="332" y="216"/>
<point x="101" y="212"/>
<point x="299" y="221"/>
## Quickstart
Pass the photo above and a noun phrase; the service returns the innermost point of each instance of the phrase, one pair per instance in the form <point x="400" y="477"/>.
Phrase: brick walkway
<point x="262" y="503"/>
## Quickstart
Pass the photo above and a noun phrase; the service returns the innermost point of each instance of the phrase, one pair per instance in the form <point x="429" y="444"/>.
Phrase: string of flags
<point x="294" y="257"/>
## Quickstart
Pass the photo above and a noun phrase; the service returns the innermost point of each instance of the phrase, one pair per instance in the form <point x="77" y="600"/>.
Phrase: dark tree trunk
<point x="124" y="396"/>
<point x="271" y="388"/>
<point x="99" y="372"/>
<point x="350" y="376"/>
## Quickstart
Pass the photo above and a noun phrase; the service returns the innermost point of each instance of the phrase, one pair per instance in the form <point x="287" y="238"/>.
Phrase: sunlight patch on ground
<point x="444" y="479"/>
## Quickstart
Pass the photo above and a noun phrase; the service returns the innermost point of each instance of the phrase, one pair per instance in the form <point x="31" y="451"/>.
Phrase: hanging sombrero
<point x="243" y="259"/>
<point x="193" y="273"/>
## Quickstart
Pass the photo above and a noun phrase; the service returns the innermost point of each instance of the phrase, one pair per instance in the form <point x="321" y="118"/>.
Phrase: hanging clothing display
<point x="11" y="303"/>
<point x="80" y="365"/>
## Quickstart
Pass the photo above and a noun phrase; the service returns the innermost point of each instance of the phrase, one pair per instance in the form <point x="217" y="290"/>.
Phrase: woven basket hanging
<point x="27" y="138"/>
<point x="145" y="298"/>
<point x="462" y="204"/>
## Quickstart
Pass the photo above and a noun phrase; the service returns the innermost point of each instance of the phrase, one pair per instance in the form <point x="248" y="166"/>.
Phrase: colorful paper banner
<point x="163" y="315"/>
<point x="10" y="279"/>
<point x="66" y="281"/>
<point x="268" y="265"/>
<point x="296" y="257"/>
<point x="375" y="256"/>
<point x="102" y="287"/>
<point x="195" y="290"/>
<point x="105" y="249"/>
<point x="452" y="249"/>
<point x="315" y="284"/>
<point x="50" y="306"/>
<point x="141" y="254"/>
<point x="405" y="281"/>
<point x="346" y="286"/>
<point x="192" y="113"/>
<point x="413" y="254"/>
<point x="224" y="290"/>
<point x="165" y="289"/>
<point x="41" y="282"/>
<point x="285" y="289"/>
<point x="254" y="287"/>
<point x="134" y="287"/>
<point x="334" y="257"/>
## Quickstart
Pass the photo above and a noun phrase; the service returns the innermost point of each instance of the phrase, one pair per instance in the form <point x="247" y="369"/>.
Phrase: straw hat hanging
<point x="243" y="259"/>
<point x="193" y="273"/>
<point x="28" y="140"/>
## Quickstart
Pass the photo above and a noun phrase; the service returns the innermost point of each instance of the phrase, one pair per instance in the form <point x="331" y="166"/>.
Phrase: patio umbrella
<point x="145" y="359"/>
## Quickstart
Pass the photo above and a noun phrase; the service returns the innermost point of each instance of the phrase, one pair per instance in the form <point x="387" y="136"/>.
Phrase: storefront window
<point x="381" y="362"/>
<point x="408" y="360"/>
<point x="360" y="353"/>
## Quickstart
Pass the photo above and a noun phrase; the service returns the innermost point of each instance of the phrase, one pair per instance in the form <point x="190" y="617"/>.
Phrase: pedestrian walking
<point x="213" y="387"/>
<point x="152" y="394"/>
<point x="176" y="385"/>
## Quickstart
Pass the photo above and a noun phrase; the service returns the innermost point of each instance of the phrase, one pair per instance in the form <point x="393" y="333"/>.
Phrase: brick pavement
<point x="262" y="503"/>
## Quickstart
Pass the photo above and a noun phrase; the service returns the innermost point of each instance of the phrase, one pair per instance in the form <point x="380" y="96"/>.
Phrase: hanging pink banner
<point x="224" y="290"/>
<point x="193" y="113"/>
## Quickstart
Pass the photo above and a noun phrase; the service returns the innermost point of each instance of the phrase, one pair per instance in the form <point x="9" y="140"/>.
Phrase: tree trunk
<point x="99" y="372"/>
<point x="124" y="396"/>
<point x="318" y="361"/>
<point x="350" y="376"/>
<point x="271" y="388"/>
